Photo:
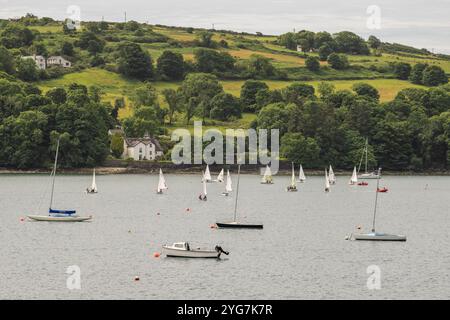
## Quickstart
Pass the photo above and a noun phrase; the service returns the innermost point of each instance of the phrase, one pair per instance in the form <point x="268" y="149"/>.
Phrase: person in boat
<point x="327" y="189"/>
<point x="188" y="248"/>
<point x="202" y="197"/>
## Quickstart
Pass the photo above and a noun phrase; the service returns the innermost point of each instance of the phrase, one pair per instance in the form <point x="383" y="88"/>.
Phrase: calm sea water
<point x="300" y="254"/>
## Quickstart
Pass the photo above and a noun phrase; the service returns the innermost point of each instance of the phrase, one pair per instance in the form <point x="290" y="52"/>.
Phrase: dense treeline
<point x="31" y="121"/>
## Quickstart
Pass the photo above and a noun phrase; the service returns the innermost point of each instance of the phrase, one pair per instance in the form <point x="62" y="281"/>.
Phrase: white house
<point x="145" y="148"/>
<point x="40" y="61"/>
<point x="58" y="61"/>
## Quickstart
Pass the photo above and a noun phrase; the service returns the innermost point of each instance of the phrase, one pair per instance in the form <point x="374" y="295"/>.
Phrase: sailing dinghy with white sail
<point x="301" y="175"/>
<point x="207" y="175"/>
<point x="93" y="187"/>
<point x="293" y="186"/>
<point x="161" y="183"/>
<point x="354" y="178"/>
<point x="57" y="215"/>
<point x="203" y="195"/>
<point x="331" y="176"/>
<point x="327" y="181"/>
<point x="267" y="178"/>
<point x="228" y="187"/>
<point x="220" y="176"/>
<point x="374" y="235"/>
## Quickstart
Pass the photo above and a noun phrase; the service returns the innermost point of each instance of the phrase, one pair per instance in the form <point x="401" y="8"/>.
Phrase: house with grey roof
<point x="145" y="148"/>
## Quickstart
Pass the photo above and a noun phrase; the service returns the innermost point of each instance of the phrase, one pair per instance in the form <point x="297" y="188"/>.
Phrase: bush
<point x="312" y="63"/>
<point x="338" y="61"/>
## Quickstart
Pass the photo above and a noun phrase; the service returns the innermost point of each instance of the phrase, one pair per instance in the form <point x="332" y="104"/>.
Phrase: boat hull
<point x="59" y="219"/>
<point x="368" y="176"/>
<point x="181" y="253"/>
<point x="235" y="225"/>
<point x="378" y="237"/>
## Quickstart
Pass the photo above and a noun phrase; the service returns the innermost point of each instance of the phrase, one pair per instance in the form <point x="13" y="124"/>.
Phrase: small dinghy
<point x="331" y="176"/>
<point x="220" y="176"/>
<point x="58" y="215"/>
<point x="373" y="235"/>
<point x="234" y="224"/>
<point x="267" y="178"/>
<point x="327" y="181"/>
<point x="207" y="175"/>
<point x="354" y="178"/>
<point x="301" y="175"/>
<point x="183" y="250"/>
<point x="93" y="187"/>
<point x="228" y="187"/>
<point x="203" y="195"/>
<point x="363" y="183"/>
<point x="161" y="183"/>
<point x="383" y="190"/>
<point x="293" y="186"/>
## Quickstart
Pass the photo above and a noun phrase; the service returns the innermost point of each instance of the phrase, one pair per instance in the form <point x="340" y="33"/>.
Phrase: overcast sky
<point x="421" y="23"/>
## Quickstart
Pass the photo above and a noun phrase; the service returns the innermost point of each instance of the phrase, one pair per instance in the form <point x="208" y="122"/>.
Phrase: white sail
<point x="162" y="182"/>
<point x="93" y="187"/>
<point x="354" y="178"/>
<point x="204" y="185"/>
<point x="228" y="185"/>
<point x="220" y="176"/>
<point x="331" y="176"/>
<point x="267" y="178"/>
<point x="301" y="176"/>
<point x="293" y="182"/>
<point x="327" y="181"/>
<point x="207" y="174"/>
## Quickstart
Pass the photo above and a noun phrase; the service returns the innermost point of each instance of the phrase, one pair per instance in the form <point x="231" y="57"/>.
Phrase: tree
<point x="258" y="66"/>
<point x="299" y="149"/>
<point x="324" y="51"/>
<point x="312" y="63"/>
<point x="205" y="39"/>
<point x="402" y="70"/>
<point x="225" y="106"/>
<point x="434" y="76"/>
<point x="170" y="65"/>
<point x="6" y="61"/>
<point x="144" y="95"/>
<point x="210" y="61"/>
<point x="173" y="101"/>
<point x="117" y="145"/>
<point x="274" y="116"/>
<point x="323" y="38"/>
<point x="16" y="36"/>
<point x="94" y="47"/>
<point x="27" y="70"/>
<point x="132" y="25"/>
<point x="306" y="40"/>
<point x="67" y="49"/>
<point x="416" y="75"/>
<point x="134" y="62"/>
<point x="289" y="40"/>
<point x="338" y="61"/>
<point x="249" y="90"/>
<point x="374" y="42"/>
<point x="57" y="95"/>
<point x="364" y="89"/>
<point x="348" y="42"/>
<point x="297" y="92"/>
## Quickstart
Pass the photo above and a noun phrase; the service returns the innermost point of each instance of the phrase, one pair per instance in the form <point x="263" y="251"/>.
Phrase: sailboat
<point x="234" y="224"/>
<point x="331" y="176"/>
<point x="93" y="187"/>
<point x="207" y="175"/>
<point x="301" y="175"/>
<point x="293" y="186"/>
<point x="366" y="174"/>
<point x="228" y="188"/>
<point x="55" y="214"/>
<point x="220" y="176"/>
<point x="161" y="183"/>
<point x="327" y="181"/>
<point x="373" y="235"/>
<point x="267" y="178"/>
<point x="354" y="178"/>
<point x="203" y="195"/>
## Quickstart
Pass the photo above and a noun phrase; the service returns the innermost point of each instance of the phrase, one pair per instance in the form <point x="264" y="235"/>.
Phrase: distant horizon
<point x="406" y="22"/>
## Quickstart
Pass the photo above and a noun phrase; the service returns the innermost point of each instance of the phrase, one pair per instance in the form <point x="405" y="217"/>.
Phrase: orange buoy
<point x="22" y="219"/>
<point x="213" y="226"/>
<point x="156" y="254"/>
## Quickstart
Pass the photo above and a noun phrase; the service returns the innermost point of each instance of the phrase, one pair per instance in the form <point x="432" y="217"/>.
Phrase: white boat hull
<point x="59" y="219"/>
<point x="378" y="237"/>
<point x="368" y="176"/>
<point x="193" y="253"/>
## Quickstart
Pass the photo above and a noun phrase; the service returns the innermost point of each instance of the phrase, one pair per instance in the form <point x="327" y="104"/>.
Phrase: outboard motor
<point x="219" y="249"/>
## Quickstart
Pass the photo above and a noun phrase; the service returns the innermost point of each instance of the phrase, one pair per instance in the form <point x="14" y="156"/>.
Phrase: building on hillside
<point x="40" y="61"/>
<point x="58" y="61"/>
<point x="145" y="148"/>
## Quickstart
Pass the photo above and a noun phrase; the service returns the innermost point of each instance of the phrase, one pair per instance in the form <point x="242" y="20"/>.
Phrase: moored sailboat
<point x="161" y="183"/>
<point x="228" y="187"/>
<point x="57" y="215"/>
<point x="374" y="235"/>
<point x="301" y="175"/>
<point x="293" y="186"/>
<point x="267" y="178"/>
<point x="366" y="174"/>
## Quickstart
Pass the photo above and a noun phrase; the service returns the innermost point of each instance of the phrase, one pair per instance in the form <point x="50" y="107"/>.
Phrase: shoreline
<point x="196" y="169"/>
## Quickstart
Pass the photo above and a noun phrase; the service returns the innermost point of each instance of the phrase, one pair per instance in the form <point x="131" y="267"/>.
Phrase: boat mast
<point x="237" y="193"/>
<point x="376" y="201"/>
<point x="54" y="173"/>
<point x="367" y="142"/>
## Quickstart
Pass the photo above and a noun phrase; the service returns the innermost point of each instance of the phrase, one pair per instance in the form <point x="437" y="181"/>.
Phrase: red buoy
<point x="22" y="219"/>
<point x="156" y="254"/>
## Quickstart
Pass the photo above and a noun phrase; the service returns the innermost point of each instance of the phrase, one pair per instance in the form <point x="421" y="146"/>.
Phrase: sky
<point x="420" y="23"/>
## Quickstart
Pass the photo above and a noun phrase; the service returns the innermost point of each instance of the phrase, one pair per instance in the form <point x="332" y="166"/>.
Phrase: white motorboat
<point x="183" y="250"/>
<point x="56" y="215"/>
<point x="373" y="235"/>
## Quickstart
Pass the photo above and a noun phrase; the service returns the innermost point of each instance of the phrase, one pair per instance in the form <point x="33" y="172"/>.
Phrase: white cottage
<point x="58" y="61"/>
<point x="145" y="148"/>
<point x="39" y="60"/>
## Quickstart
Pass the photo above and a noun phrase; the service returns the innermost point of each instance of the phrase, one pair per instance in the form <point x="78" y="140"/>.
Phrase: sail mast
<point x="376" y="201"/>
<point x="237" y="193"/>
<point x="367" y="142"/>
<point x="54" y="173"/>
